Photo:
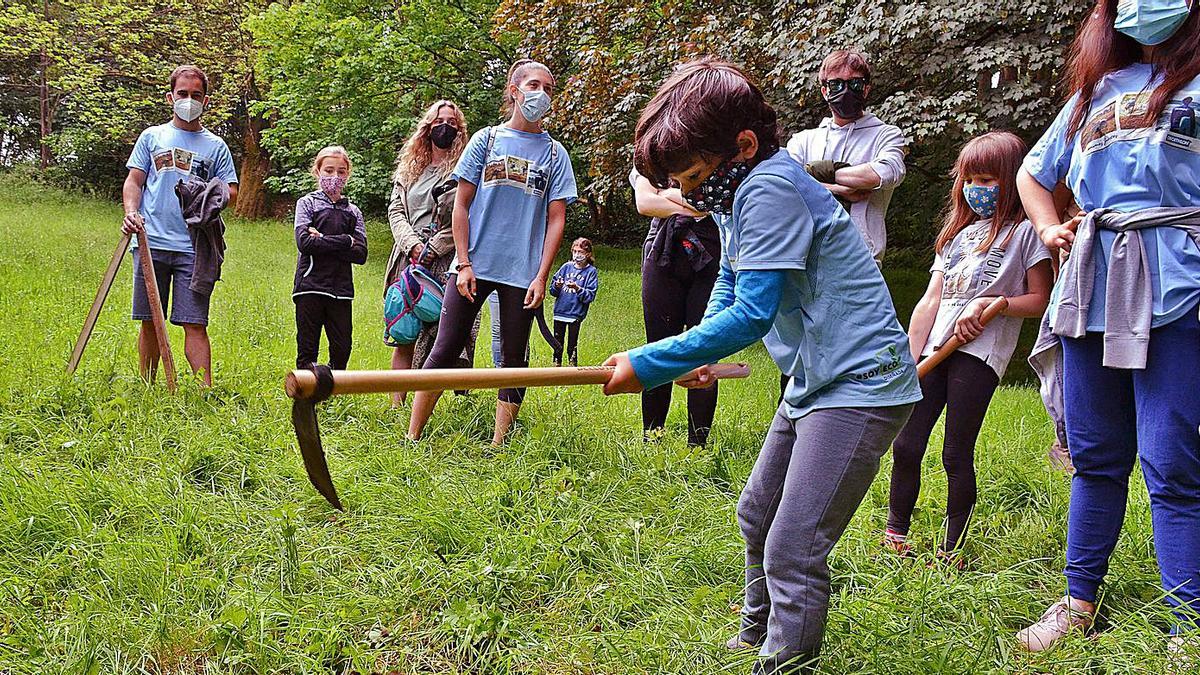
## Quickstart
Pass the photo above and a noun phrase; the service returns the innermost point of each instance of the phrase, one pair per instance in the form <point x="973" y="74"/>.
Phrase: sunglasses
<point x="836" y="86"/>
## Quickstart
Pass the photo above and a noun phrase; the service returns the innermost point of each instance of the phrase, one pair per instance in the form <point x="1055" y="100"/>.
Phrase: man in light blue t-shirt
<point x="162" y="156"/>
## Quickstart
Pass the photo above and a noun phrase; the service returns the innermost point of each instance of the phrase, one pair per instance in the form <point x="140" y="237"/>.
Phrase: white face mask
<point x="188" y="109"/>
<point x="535" y="105"/>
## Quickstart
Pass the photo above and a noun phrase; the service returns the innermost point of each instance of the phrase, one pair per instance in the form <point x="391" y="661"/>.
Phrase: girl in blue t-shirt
<point x="514" y="185"/>
<point x="1125" y="305"/>
<point x="986" y="249"/>
<point x="796" y="274"/>
<point x="574" y="289"/>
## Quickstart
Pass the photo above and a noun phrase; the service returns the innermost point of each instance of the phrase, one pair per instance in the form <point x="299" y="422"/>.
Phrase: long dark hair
<point x="1100" y="48"/>
<point x="998" y="153"/>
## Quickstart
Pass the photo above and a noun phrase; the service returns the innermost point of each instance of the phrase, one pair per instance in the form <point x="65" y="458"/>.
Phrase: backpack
<point x="412" y="301"/>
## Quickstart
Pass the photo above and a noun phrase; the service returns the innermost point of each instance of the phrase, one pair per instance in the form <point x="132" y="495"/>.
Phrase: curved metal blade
<point x="308" y="435"/>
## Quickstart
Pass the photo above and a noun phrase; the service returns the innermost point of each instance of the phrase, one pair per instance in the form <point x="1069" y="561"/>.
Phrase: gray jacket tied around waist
<point x="1129" y="303"/>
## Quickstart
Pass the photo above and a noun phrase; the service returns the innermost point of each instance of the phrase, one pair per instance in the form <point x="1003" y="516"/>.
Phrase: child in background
<point x="574" y="287"/>
<point x="331" y="236"/>
<point x="796" y="274"/>
<point x="986" y="249"/>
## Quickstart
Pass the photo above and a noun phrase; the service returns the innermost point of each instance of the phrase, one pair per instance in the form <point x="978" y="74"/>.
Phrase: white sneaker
<point x="1056" y="622"/>
<point x="1183" y="654"/>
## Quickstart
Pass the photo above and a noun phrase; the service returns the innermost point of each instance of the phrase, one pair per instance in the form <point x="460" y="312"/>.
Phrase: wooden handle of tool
<point x="992" y="311"/>
<point x="156" y="310"/>
<point x="302" y="383"/>
<point x="89" y="324"/>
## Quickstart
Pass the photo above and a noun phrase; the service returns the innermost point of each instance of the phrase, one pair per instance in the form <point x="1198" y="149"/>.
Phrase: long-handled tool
<point x="992" y="311"/>
<point x="156" y="311"/>
<point x="106" y="283"/>
<point x="110" y="274"/>
<point x="307" y="388"/>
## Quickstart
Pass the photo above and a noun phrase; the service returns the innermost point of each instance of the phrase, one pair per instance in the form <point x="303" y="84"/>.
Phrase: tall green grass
<point x="143" y="532"/>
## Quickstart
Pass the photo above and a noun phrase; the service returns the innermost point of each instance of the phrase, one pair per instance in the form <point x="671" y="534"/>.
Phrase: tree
<point x="95" y="72"/>
<point x="358" y="72"/>
<point x="930" y="59"/>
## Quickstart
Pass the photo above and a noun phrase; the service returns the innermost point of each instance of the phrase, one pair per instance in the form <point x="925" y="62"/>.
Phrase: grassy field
<point x="142" y="532"/>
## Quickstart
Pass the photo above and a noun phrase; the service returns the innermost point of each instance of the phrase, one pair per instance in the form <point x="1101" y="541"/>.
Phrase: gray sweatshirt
<point x="866" y="140"/>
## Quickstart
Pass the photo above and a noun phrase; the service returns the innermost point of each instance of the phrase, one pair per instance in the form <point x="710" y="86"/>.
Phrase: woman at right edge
<point x="1125" y="306"/>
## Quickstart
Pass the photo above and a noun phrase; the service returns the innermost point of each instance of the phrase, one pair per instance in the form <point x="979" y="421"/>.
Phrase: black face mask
<point x="443" y="135"/>
<point x="847" y="104"/>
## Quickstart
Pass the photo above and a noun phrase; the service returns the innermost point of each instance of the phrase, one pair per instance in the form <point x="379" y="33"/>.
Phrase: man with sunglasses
<point x="852" y="153"/>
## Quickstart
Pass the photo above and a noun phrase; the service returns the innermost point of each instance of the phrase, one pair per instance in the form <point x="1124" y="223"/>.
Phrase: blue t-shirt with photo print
<point x="168" y="155"/>
<point x="515" y="181"/>
<point x="1118" y="161"/>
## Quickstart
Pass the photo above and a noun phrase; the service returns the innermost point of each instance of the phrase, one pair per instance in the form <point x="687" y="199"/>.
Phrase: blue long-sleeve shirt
<point x="740" y="312"/>
<point x="796" y="273"/>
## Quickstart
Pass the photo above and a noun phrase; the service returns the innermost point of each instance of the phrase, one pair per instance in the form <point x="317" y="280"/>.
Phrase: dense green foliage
<point x="308" y="73"/>
<point x="142" y="532"/>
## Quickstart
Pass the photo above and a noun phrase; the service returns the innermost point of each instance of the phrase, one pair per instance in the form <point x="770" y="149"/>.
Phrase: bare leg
<point x="423" y="404"/>
<point x="505" y="414"/>
<point x="147" y="346"/>
<point x="198" y="350"/>
<point x="402" y="358"/>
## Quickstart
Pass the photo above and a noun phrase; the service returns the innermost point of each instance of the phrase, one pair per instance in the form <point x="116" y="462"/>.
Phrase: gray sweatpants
<point x="809" y="479"/>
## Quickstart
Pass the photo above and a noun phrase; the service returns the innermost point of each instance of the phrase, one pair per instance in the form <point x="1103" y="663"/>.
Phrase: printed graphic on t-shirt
<point x="516" y="172"/>
<point x="182" y="161"/>
<point x="967" y="272"/>
<point x="1123" y="119"/>
<point x="887" y="365"/>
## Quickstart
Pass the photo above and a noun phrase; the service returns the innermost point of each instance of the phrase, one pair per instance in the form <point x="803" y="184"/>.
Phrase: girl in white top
<point x="986" y="249"/>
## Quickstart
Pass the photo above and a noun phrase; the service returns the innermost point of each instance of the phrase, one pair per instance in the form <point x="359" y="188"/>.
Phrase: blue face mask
<point x="981" y="199"/>
<point x="1151" y="22"/>
<point x="535" y="105"/>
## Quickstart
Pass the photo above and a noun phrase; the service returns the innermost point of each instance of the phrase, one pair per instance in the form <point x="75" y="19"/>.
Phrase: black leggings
<point x="571" y="331"/>
<point x="962" y="384"/>
<point x="314" y="312"/>
<point x="674" y="299"/>
<point x="458" y="317"/>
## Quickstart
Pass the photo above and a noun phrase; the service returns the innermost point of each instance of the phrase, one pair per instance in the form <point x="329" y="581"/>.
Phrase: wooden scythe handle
<point x="942" y="353"/>
<point x="156" y="311"/>
<point x="89" y="324"/>
<point x="302" y="383"/>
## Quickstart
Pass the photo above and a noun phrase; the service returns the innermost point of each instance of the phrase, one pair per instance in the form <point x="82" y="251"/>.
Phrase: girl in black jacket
<point x="331" y="236"/>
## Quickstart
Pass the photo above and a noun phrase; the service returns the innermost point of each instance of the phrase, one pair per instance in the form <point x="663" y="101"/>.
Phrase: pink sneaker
<point x="1059" y="620"/>
<point x="897" y="543"/>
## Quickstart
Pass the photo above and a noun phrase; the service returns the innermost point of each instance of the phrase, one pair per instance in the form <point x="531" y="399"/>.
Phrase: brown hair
<point x="998" y="153"/>
<point x="699" y="112"/>
<point x="331" y="151"/>
<point x="189" y="71"/>
<point x="847" y="58"/>
<point x="417" y="152"/>
<point x="516" y="75"/>
<point x="585" y="244"/>
<point x="1100" y="48"/>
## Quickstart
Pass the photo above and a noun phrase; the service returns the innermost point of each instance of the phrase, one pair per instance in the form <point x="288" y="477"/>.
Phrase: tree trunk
<point x="598" y="217"/>
<point x="256" y="164"/>
<point x="44" y="110"/>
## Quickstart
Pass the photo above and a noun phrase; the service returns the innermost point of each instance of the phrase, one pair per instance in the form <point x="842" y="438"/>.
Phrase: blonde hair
<point x="417" y="152"/>
<point x="516" y="75"/>
<point x="331" y="151"/>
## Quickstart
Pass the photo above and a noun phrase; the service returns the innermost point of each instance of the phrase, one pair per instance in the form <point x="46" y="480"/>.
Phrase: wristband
<point x="459" y="267"/>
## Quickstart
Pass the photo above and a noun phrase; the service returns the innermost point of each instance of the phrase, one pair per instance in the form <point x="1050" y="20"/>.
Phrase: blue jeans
<point x="1116" y="416"/>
